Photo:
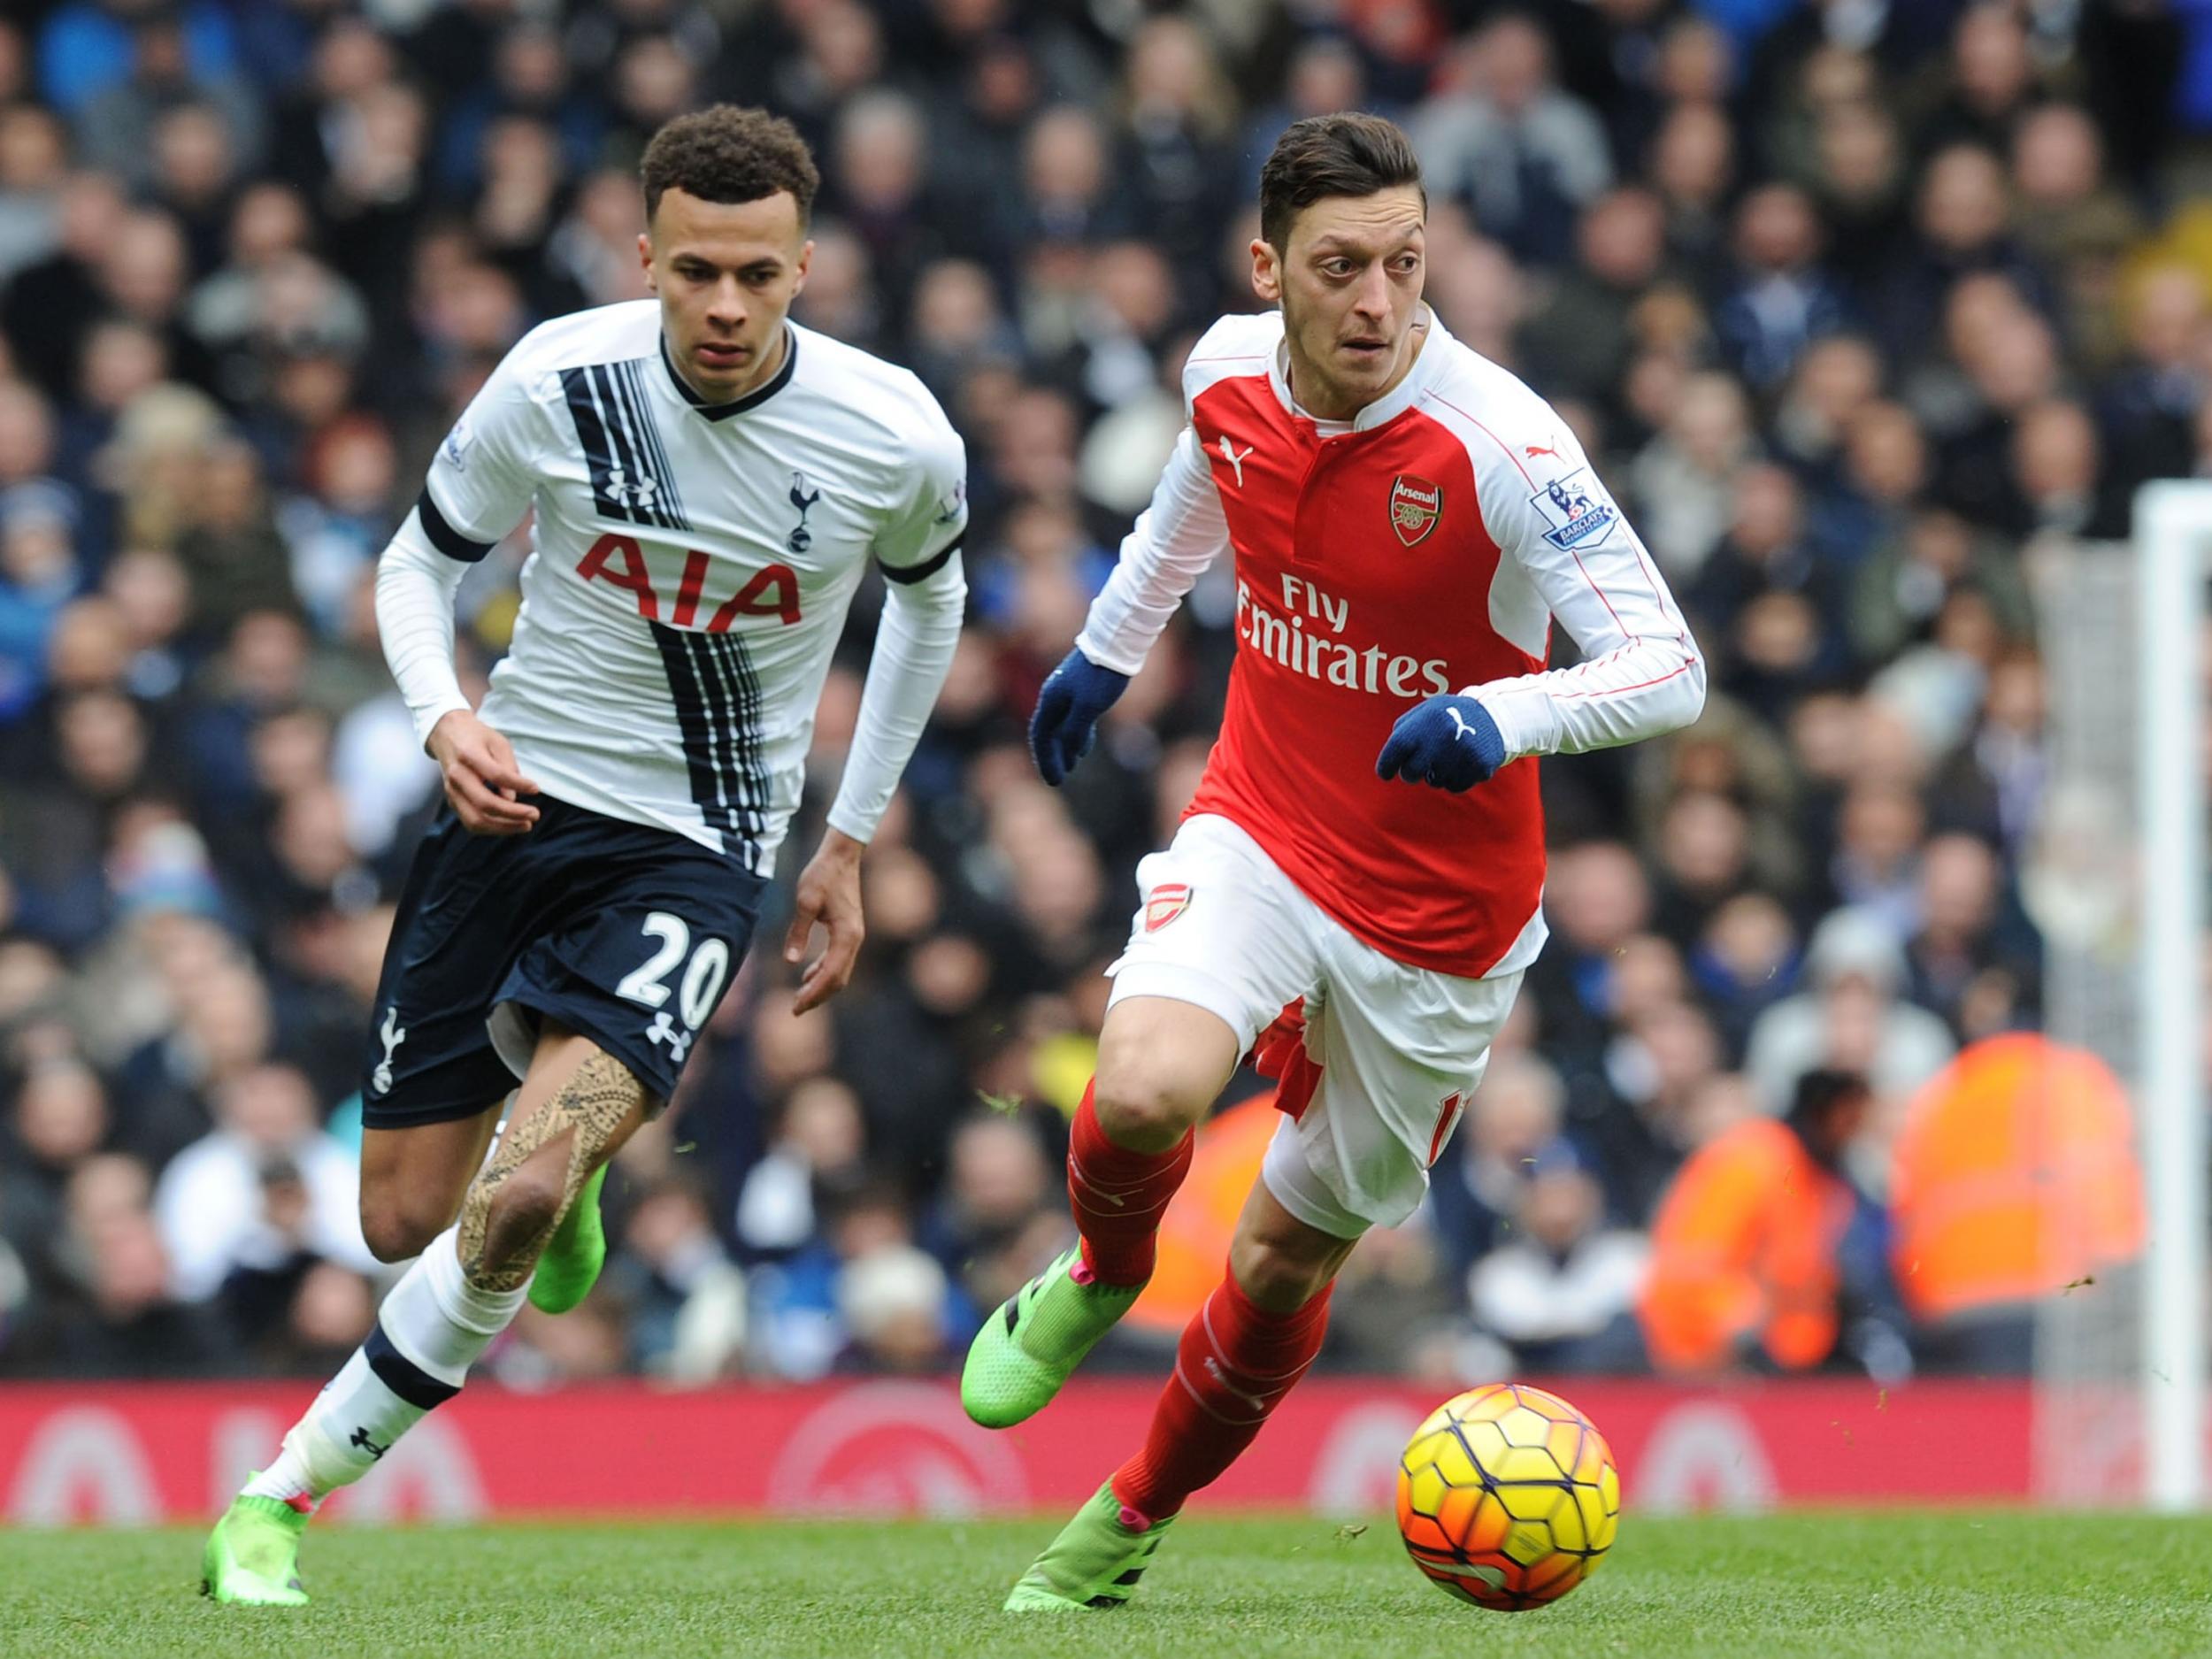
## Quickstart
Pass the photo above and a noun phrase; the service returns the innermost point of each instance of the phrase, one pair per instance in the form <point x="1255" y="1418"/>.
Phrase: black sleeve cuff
<point x="928" y="567"/>
<point x="444" y="537"/>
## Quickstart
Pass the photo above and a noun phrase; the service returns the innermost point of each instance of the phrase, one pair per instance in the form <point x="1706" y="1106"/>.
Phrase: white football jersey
<point x="692" y="563"/>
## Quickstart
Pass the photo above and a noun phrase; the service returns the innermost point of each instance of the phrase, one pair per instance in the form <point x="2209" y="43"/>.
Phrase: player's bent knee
<point x="1145" y="1112"/>
<point x="1160" y="1062"/>
<point x="1279" y="1280"/>
<point x="393" y="1232"/>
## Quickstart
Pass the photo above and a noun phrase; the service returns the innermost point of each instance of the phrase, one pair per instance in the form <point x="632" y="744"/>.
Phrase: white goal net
<point x="2116" y="884"/>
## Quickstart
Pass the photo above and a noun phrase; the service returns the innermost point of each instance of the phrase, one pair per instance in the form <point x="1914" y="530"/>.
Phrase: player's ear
<point x="806" y="258"/>
<point x="645" y="258"/>
<point x="1267" y="271"/>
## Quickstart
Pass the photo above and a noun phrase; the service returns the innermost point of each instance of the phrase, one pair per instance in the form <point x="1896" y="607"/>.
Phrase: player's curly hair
<point x="1349" y="154"/>
<point x="726" y="153"/>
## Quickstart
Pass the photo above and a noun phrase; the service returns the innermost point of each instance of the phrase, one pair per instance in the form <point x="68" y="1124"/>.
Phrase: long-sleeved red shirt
<point x="1425" y="549"/>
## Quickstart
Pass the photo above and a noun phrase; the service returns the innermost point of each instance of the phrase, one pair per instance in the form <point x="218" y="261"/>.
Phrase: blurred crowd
<point x="1862" y="307"/>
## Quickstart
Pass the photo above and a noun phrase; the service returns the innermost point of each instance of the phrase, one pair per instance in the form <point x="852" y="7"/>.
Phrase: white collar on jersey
<point x="1399" y="398"/>
<point x="753" y="399"/>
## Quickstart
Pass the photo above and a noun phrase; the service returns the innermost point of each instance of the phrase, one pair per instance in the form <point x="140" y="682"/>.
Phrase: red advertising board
<point x="124" y="1453"/>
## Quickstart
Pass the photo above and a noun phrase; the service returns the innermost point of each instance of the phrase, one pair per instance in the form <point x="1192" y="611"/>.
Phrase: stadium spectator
<point x="60" y="1119"/>
<point x="895" y="1303"/>
<point x="115" y="1314"/>
<point x="1523" y="155"/>
<point x="818" y="1147"/>
<point x="2015" y="1179"/>
<point x="1477" y="1188"/>
<point x="999" y="1219"/>
<point x="686" y="1298"/>
<point x="1782" y="299"/>
<point x="268" y="1188"/>
<point x="864" y="1297"/>
<point x="1748" y="1261"/>
<point x="1850" y="1016"/>
<point x="1578" y="339"/>
<point x="1399" y="1312"/>
<point x="1560" y="1292"/>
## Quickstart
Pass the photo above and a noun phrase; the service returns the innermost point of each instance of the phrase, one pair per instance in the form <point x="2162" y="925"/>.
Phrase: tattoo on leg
<point x="497" y="1251"/>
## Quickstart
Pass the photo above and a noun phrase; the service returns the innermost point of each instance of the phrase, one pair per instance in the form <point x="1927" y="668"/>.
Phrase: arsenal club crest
<point x="1164" y="903"/>
<point x="1415" y="506"/>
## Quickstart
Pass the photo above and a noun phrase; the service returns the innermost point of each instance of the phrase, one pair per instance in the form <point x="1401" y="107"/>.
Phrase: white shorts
<point x="1400" y="1048"/>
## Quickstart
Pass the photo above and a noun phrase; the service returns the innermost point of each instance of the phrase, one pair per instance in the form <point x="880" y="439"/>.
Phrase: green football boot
<point x="574" y="1253"/>
<point x="1095" y="1561"/>
<point x="253" y="1555"/>
<point x="1026" y="1350"/>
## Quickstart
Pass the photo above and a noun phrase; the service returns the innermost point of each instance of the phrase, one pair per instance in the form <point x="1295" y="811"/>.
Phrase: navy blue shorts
<point x="623" y="933"/>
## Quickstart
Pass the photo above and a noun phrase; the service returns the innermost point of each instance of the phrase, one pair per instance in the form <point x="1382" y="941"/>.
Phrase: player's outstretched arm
<point x="1173" y="541"/>
<point x="914" y="642"/>
<point x="479" y="486"/>
<point x="1640" y="674"/>
<point x="415" y="584"/>
<point x="925" y="597"/>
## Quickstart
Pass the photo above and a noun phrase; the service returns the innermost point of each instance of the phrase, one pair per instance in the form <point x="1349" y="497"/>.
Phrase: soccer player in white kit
<point x="711" y="483"/>
<point x="1356" y="888"/>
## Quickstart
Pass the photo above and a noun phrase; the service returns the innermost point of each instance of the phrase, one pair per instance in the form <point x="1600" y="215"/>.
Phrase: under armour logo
<point x="801" y="538"/>
<point x="664" y="1030"/>
<point x="1236" y="461"/>
<point x="640" y="489"/>
<point x="1460" y="721"/>
<point x="360" y="1438"/>
<point x="380" y="1079"/>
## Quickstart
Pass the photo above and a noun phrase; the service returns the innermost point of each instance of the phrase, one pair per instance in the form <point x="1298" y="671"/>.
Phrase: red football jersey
<point x="1425" y="549"/>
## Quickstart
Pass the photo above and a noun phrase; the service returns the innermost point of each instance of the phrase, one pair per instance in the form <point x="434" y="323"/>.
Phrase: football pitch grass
<point x="1224" y="1587"/>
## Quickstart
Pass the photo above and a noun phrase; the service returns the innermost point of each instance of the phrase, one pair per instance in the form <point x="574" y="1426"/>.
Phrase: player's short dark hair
<point x="1349" y="154"/>
<point x="726" y="153"/>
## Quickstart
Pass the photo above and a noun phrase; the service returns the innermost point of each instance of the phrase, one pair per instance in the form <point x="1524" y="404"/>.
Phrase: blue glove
<point x="1065" y="725"/>
<point x="1448" y="743"/>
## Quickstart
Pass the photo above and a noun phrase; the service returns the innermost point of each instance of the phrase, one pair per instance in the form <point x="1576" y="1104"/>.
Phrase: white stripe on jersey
<point x="692" y="563"/>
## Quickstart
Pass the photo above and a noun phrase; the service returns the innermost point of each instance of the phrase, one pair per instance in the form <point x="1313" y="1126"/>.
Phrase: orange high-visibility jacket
<point x="1745" y="1244"/>
<point x="2014" y="1177"/>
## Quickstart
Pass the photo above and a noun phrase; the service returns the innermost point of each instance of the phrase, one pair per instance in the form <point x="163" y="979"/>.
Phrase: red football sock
<point x="1119" y="1197"/>
<point x="1235" y="1363"/>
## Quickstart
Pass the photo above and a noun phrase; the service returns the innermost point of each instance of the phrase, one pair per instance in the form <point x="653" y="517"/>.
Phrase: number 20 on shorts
<point x="702" y="983"/>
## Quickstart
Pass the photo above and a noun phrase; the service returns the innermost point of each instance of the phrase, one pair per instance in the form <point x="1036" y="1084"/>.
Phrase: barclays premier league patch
<point x="1577" y="520"/>
<point x="457" y="444"/>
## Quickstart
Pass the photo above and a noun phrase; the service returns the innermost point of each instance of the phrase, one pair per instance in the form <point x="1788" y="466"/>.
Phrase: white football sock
<point x="431" y="1329"/>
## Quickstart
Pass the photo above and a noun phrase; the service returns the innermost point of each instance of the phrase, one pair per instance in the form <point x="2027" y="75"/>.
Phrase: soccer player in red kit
<point x="1356" y="890"/>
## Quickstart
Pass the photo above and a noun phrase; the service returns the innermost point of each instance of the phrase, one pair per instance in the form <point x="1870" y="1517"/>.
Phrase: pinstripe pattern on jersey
<point x="717" y="698"/>
<point x="631" y="479"/>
